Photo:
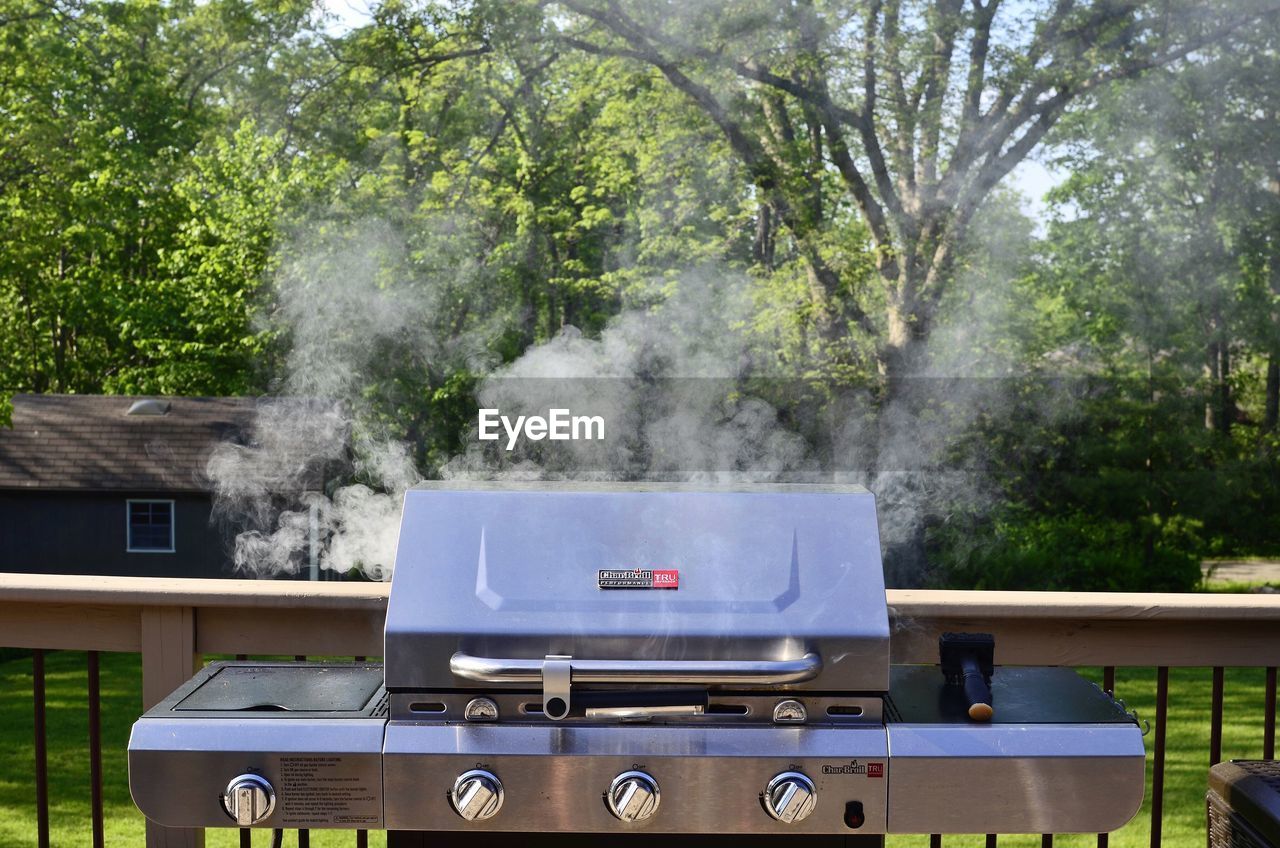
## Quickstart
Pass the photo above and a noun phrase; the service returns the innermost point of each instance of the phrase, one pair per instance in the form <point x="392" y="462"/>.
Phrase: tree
<point x="921" y="108"/>
<point x="1165" y="254"/>
<point x="94" y="133"/>
<point x="111" y="128"/>
<point x="200" y="332"/>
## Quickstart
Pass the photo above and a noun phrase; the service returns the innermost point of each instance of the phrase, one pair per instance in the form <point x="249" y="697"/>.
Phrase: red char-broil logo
<point x="639" y="578"/>
<point x="855" y="767"/>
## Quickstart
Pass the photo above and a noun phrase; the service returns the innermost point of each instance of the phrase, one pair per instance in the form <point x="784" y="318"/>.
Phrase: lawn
<point x="121" y="701"/>
<point x="121" y="682"/>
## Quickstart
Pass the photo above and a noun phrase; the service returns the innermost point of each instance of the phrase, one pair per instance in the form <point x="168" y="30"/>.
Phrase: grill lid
<point x="751" y="587"/>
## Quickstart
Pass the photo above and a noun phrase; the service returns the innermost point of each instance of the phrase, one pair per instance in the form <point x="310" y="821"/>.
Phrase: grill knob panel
<point x="249" y="799"/>
<point x="633" y="796"/>
<point x="476" y="795"/>
<point x="790" y="797"/>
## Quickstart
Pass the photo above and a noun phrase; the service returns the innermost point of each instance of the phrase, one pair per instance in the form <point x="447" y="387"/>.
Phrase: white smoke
<point x="341" y="309"/>
<point x="666" y="381"/>
<point x="673" y="382"/>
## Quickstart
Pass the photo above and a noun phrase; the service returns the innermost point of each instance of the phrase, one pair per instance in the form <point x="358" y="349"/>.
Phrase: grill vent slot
<point x="728" y="709"/>
<point x="426" y="707"/>
<point x="844" y="711"/>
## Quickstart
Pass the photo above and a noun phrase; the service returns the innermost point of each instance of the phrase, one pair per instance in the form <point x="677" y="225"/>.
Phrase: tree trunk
<point x="763" y="248"/>
<point x="1271" y="416"/>
<point x="1211" y="371"/>
<point x="1219" y="411"/>
<point x="907" y="329"/>
<point x="1226" y="404"/>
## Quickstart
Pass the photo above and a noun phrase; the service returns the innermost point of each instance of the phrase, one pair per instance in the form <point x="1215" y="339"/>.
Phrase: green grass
<point x="68" y="741"/>
<point x="1185" y="775"/>
<point x="1234" y="587"/>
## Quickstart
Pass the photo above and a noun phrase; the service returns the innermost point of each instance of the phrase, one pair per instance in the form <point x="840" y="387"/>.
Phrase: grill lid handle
<point x="704" y="672"/>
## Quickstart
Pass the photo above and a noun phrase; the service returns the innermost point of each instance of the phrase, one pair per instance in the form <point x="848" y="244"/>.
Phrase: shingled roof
<point x="91" y="442"/>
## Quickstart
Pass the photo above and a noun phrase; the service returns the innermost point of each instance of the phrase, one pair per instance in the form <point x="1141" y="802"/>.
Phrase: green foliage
<point x="176" y="176"/>
<point x="1074" y="552"/>
<point x="116" y="185"/>
<point x="197" y="335"/>
<point x="1169" y="296"/>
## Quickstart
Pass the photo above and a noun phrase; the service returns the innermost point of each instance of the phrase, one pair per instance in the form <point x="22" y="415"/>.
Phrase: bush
<point x="1075" y="552"/>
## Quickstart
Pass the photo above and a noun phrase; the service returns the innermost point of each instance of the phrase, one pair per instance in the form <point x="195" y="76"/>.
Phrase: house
<point x="93" y="484"/>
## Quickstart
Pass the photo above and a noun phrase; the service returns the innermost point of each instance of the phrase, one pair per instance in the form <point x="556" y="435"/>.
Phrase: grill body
<point x="764" y="574"/>
<point x="636" y="660"/>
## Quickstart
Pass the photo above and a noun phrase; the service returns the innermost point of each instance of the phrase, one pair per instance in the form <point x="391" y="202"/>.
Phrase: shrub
<point x="1076" y="552"/>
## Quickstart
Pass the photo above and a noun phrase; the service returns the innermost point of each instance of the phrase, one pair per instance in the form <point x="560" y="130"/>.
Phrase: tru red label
<point x="639" y="578"/>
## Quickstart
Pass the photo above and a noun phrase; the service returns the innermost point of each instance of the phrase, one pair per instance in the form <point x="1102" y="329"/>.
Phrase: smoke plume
<point x="686" y="389"/>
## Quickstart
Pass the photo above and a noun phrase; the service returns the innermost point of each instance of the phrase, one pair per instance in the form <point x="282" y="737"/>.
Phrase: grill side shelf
<point x="1030" y="695"/>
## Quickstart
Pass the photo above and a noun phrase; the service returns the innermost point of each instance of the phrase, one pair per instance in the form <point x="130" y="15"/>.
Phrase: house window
<point x="150" y="527"/>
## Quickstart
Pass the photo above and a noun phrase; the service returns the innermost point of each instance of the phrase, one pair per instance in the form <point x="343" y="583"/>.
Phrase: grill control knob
<point x="249" y="799"/>
<point x="633" y="796"/>
<point x="476" y="795"/>
<point x="790" y="797"/>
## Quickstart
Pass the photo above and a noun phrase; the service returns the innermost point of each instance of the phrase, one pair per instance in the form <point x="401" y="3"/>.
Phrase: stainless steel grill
<point x="632" y="660"/>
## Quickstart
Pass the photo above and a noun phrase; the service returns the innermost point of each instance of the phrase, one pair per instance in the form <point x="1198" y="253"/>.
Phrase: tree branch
<point x="901" y="111"/>
<point x="935" y="80"/>
<point x="976" y="82"/>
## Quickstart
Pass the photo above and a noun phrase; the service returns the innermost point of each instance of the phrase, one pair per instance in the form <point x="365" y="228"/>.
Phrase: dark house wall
<point x="43" y="532"/>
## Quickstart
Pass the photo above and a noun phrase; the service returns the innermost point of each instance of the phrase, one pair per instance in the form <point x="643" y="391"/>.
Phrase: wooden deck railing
<point x="173" y="622"/>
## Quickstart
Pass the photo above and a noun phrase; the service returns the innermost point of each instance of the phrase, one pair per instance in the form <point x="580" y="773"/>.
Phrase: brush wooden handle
<point x="977" y="693"/>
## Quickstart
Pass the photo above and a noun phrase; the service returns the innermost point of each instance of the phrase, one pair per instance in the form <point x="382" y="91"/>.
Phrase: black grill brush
<point x="968" y="660"/>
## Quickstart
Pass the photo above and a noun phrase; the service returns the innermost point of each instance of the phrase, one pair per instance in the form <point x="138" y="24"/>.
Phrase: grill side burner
<point x="637" y="660"/>
<point x="312" y="731"/>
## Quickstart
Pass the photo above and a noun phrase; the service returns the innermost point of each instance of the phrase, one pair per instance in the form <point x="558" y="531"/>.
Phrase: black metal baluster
<point x="42" y="752"/>
<point x="1046" y="840"/>
<point x="362" y="836"/>
<point x="1157" y="778"/>
<point x="95" y="748"/>
<point x="304" y="835"/>
<point x="1215" y="725"/>
<point x="1269" y="721"/>
<point x="991" y="840"/>
<point x="935" y="840"/>
<point x="1108" y="685"/>
<point x="246" y="835"/>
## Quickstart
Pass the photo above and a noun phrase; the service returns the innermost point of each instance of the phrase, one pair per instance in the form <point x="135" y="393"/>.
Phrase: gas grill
<point x="611" y="659"/>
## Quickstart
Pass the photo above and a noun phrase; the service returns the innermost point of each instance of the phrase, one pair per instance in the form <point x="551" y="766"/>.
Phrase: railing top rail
<point x="339" y="618"/>
<point x="903" y="603"/>
<point x="190" y="592"/>
<point x="1083" y="606"/>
